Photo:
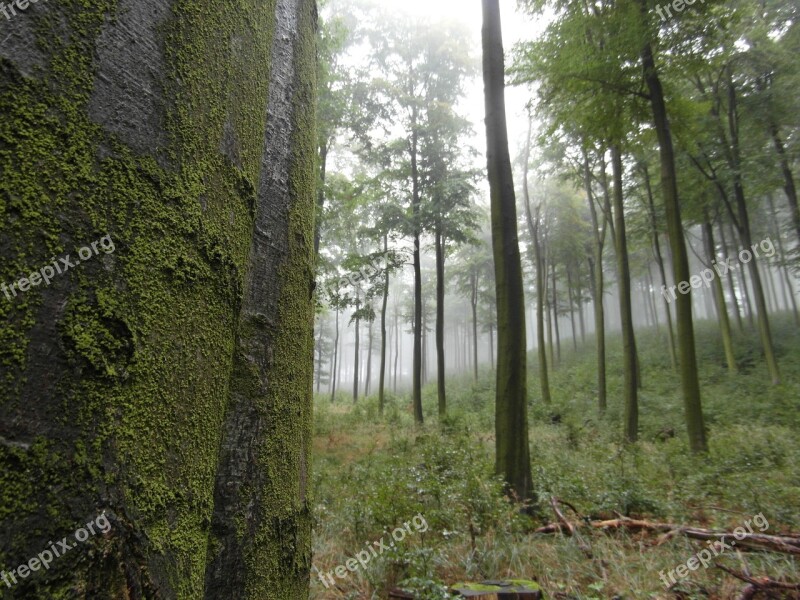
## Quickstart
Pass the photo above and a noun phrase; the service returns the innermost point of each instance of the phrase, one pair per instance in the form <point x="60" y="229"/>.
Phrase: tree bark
<point x="731" y="283"/>
<point x="440" y="365"/>
<point x="164" y="366"/>
<point x="596" y="270"/>
<point x="474" y="305"/>
<point x="629" y="357"/>
<point x="416" y="383"/>
<point x="660" y="261"/>
<point x="744" y="232"/>
<point x="719" y="299"/>
<point x="690" y="383"/>
<point x="788" y="178"/>
<point x="357" y="349"/>
<point x="787" y="280"/>
<point x="335" y="367"/>
<point x="382" y="380"/>
<point x="533" y="227"/>
<point x="368" y="374"/>
<point x="512" y="459"/>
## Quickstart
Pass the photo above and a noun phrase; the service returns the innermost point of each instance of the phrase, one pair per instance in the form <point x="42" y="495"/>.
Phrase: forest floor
<point x="372" y="474"/>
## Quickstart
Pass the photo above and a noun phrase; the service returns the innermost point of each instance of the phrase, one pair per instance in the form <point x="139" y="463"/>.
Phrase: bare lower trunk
<point x="511" y="414"/>
<point x="630" y="367"/>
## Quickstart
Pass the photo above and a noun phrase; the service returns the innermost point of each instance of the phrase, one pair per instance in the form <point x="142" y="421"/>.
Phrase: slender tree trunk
<point x="744" y="232"/>
<point x="572" y="310"/>
<point x="772" y="293"/>
<point x="680" y="260"/>
<point x="356" y="354"/>
<point x="335" y="366"/>
<point x="555" y="312"/>
<point x="491" y="345"/>
<point x="424" y="341"/>
<point x="719" y="298"/>
<point x="474" y="305"/>
<point x="511" y="414"/>
<point x="397" y="348"/>
<point x="660" y="261"/>
<point x="787" y="280"/>
<point x="384" y="306"/>
<point x="788" y="178"/>
<point x="416" y="384"/>
<point x="440" y="364"/>
<point x="731" y="282"/>
<point x="596" y="271"/>
<point x="368" y="378"/>
<point x="534" y="223"/>
<point x="551" y="347"/>
<point x="581" y="305"/>
<point x="744" y="284"/>
<point x="319" y="362"/>
<point x="630" y="368"/>
<point x="651" y="298"/>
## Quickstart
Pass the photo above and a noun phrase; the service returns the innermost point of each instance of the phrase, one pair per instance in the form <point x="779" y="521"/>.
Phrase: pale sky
<point x="516" y="27"/>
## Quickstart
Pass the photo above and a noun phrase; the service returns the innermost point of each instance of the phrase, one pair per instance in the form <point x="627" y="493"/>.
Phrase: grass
<point x="373" y="473"/>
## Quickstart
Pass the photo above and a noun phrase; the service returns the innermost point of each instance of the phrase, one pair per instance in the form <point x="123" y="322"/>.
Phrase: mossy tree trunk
<point x="167" y="382"/>
<point x="511" y="403"/>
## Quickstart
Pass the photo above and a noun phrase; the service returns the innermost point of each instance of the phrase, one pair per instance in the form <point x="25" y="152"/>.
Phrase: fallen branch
<point x="761" y="584"/>
<point x="754" y="542"/>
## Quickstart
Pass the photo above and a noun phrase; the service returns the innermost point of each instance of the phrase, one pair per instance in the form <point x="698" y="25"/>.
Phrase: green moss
<point x="147" y="332"/>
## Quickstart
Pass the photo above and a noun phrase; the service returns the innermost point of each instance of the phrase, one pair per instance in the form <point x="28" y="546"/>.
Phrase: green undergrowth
<point x="374" y="472"/>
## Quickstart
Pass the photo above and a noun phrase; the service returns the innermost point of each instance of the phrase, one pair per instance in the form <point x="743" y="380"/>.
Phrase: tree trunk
<point x="719" y="299"/>
<point x="629" y="358"/>
<point x="382" y="380"/>
<point x="491" y="345"/>
<point x="357" y="351"/>
<point x="744" y="232"/>
<point x="416" y="383"/>
<point x="555" y="314"/>
<point x="440" y="366"/>
<point x="788" y="178"/>
<point x="335" y="365"/>
<point x="787" y="280"/>
<point x="731" y="282"/>
<point x="368" y="378"/>
<point x="596" y="270"/>
<point x="474" y="305"/>
<point x="533" y="227"/>
<point x="397" y="349"/>
<point x="660" y="261"/>
<point x="132" y="390"/>
<point x="680" y="261"/>
<point x="511" y="404"/>
<point x="572" y="310"/>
